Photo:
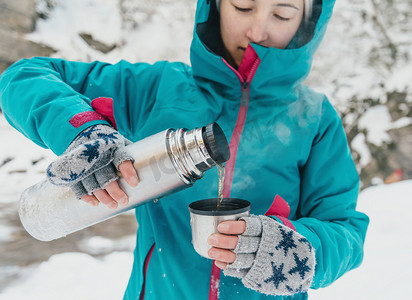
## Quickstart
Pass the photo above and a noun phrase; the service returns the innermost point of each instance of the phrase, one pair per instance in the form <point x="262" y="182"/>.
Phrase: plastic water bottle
<point x="166" y="162"/>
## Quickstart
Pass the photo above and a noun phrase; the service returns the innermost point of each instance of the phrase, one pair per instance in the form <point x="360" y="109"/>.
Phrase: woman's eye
<point x="243" y="9"/>
<point x="282" y="18"/>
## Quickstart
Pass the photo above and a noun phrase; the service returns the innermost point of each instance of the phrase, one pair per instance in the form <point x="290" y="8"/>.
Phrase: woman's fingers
<point x="92" y="200"/>
<point x="220" y="265"/>
<point x="105" y="198"/>
<point x="222" y="255"/>
<point x="117" y="193"/>
<point x="232" y="227"/>
<point x="112" y="194"/>
<point x="129" y="173"/>
<point x="221" y="246"/>
<point x="223" y="241"/>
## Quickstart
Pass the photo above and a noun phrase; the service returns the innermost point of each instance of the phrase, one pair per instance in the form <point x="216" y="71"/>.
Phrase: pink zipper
<point x="233" y="145"/>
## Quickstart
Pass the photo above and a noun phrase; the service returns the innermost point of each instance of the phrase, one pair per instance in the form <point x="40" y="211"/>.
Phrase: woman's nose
<point x="257" y="32"/>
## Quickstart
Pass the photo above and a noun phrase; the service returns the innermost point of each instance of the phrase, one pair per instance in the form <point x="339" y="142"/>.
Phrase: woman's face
<point x="269" y="23"/>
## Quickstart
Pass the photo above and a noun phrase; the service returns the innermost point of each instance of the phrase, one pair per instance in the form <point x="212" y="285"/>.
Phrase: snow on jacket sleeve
<point x="327" y="215"/>
<point x="40" y="96"/>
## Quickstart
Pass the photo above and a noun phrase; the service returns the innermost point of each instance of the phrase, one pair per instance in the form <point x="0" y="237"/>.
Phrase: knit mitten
<point x="272" y="258"/>
<point x="91" y="160"/>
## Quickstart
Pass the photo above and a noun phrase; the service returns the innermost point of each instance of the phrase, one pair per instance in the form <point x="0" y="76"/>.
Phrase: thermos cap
<point x="216" y="143"/>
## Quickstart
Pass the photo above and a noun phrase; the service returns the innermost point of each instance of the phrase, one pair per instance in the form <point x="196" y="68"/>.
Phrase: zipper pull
<point x="245" y="85"/>
<point x="244" y="99"/>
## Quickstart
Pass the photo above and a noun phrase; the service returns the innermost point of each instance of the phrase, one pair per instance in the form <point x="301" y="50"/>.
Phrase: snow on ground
<point x="70" y="276"/>
<point x="386" y="270"/>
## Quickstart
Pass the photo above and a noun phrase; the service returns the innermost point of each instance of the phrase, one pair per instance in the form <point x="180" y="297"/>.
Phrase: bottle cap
<point x="216" y="143"/>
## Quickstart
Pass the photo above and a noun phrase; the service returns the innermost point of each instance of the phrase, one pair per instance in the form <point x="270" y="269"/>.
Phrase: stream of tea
<point x="221" y="173"/>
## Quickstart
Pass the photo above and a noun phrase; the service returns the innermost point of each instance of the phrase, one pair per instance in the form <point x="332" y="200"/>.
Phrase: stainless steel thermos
<point x="166" y="162"/>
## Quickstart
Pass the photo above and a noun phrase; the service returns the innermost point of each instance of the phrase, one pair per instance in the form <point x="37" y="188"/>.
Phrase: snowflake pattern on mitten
<point x="283" y="264"/>
<point x="91" y="160"/>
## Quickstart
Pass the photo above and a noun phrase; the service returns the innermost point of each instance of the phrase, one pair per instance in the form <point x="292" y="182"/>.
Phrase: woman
<point x="248" y="58"/>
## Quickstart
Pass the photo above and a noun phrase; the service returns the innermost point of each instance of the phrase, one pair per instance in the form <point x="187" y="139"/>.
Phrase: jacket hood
<point x="279" y="71"/>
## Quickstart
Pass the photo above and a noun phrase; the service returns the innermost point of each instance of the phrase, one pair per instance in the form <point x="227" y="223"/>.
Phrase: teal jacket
<point x="285" y="140"/>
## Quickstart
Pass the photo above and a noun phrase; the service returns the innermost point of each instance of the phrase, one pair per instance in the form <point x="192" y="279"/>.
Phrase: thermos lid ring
<point x="229" y="206"/>
<point x="216" y="143"/>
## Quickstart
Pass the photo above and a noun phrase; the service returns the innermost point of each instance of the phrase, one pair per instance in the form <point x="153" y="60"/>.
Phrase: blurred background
<point x="364" y="65"/>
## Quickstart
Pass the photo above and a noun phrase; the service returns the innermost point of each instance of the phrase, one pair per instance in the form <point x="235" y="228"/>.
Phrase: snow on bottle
<point x="166" y="162"/>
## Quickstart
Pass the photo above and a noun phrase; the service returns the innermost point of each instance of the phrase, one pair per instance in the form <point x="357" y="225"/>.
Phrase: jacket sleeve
<point x="327" y="214"/>
<point x="41" y="96"/>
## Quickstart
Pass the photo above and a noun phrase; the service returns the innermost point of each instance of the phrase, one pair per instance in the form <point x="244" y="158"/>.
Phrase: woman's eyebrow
<point x="285" y="5"/>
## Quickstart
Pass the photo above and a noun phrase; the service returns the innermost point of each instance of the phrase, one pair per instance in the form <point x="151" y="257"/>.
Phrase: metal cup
<point x="205" y="216"/>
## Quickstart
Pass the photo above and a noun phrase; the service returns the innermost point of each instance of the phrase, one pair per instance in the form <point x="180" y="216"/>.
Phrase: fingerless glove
<point x="91" y="160"/>
<point x="272" y="258"/>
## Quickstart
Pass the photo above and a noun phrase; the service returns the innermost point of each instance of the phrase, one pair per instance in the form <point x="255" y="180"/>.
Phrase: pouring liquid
<point x="221" y="173"/>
